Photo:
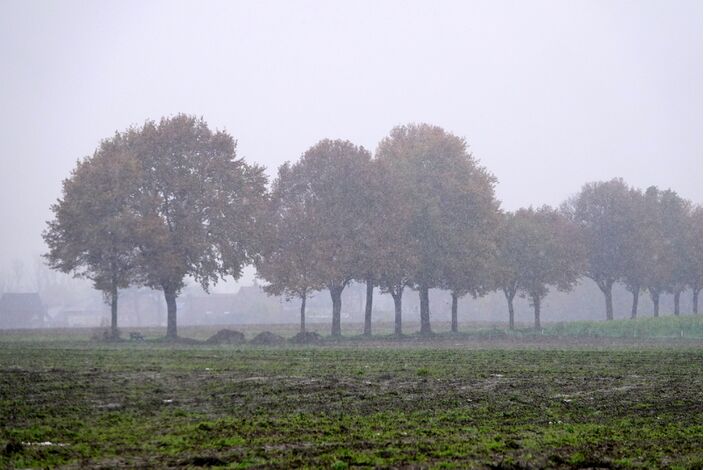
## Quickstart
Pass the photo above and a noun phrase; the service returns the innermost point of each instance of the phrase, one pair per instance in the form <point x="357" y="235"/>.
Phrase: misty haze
<point x="351" y="234"/>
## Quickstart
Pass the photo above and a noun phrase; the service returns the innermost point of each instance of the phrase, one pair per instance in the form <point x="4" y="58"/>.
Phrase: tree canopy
<point x="450" y="207"/>
<point x="546" y="252"/>
<point x="91" y="234"/>
<point x="330" y="183"/>
<point x="169" y="201"/>
<point x="603" y="213"/>
<point x="181" y="201"/>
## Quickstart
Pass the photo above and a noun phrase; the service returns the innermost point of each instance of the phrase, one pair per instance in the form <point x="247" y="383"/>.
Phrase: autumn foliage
<point x="168" y="201"/>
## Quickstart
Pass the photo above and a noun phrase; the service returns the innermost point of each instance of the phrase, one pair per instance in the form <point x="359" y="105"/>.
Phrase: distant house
<point x="22" y="310"/>
<point x="249" y="305"/>
<point x="76" y="318"/>
<point x="210" y="309"/>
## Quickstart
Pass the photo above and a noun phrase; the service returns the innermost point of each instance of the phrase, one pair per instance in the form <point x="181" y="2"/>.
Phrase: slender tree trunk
<point x="137" y="311"/>
<point x="536" y="309"/>
<point x="609" y="305"/>
<point x="424" y="311"/>
<point x="509" y="299"/>
<point x="113" y="312"/>
<point x="397" y="296"/>
<point x="677" y="302"/>
<point x="655" y="297"/>
<point x="455" y="298"/>
<point x="336" y="296"/>
<point x="607" y="289"/>
<point x="170" y="296"/>
<point x="695" y="301"/>
<point x="368" y="307"/>
<point x="634" y="307"/>
<point x="303" y="312"/>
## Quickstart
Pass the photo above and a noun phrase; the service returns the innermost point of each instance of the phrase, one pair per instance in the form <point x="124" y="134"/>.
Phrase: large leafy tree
<point x="332" y="176"/>
<point x="602" y="211"/>
<point x="91" y="232"/>
<point x="198" y="205"/>
<point x="286" y="260"/>
<point x="447" y="198"/>
<point x="546" y="252"/>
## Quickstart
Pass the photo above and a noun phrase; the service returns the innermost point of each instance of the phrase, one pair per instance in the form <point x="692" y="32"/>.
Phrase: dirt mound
<point x="267" y="337"/>
<point x="226" y="337"/>
<point x="307" y="337"/>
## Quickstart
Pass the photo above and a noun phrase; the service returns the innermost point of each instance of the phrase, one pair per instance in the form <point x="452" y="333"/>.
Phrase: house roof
<point x="21" y="303"/>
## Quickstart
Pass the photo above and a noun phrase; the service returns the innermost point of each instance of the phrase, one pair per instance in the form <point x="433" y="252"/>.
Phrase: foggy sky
<point x="549" y="94"/>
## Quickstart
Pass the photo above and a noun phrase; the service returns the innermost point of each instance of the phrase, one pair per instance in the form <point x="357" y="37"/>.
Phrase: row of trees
<point x="170" y="200"/>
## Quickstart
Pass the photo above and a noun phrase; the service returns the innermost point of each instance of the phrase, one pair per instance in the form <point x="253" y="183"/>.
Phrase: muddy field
<point x="461" y="402"/>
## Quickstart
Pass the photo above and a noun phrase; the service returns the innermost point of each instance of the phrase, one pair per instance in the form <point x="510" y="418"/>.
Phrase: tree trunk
<point x="397" y="296"/>
<point x="137" y="311"/>
<point x="655" y="296"/>
<point x="455" y="297"/>
<point x="336" y="296"/>
<point x="536" y="309"/>
<point x="303" y="312"/>
<point x="695" y="301"/>
<point x="509" y="299"/>
<point x="424" y="311"/>
<point x="170" y="296"/>
<point x="634" y="307"/>
<point x="677" y="302"/>
<point x="368" y="307"/>
<point x="608" y="296"/>
<point x="113" y="313"/>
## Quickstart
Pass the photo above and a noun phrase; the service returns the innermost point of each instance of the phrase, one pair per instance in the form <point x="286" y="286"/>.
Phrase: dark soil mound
<point x="308" y="337"/>
<point x="226" y="337"/>
<point x="267" y="337"/>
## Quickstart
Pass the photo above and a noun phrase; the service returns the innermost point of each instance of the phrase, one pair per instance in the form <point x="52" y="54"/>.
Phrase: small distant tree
<point x="693" y="260"/>
<point x="396" y="253"/>
<point x="469" y="270"/>
<point x="371" y="237"/>
<point x="676" y="212"/>
<point x="91" y="232"/>
<point x="197" y="206"/>
<point x="509" y="257"/>
<point x="332" y="177"/>
<point x="636" y="248"/>
<point x="660" y="262"/>
<point x="286" y="260"/>
<point x="602" y="213"/>
<point x="448" y="197"/>
<point x="548" y="253"/>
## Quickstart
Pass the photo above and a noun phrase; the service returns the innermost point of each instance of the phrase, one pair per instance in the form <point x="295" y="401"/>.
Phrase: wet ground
<point x="454" y="402"/>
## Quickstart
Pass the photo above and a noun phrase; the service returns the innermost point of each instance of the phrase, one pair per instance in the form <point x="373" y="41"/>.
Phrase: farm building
<point x="76" y="317"/>
<point x="22" y="310"/>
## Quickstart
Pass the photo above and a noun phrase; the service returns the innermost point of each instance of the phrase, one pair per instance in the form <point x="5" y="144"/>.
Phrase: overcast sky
<point x="549" y="94"/>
